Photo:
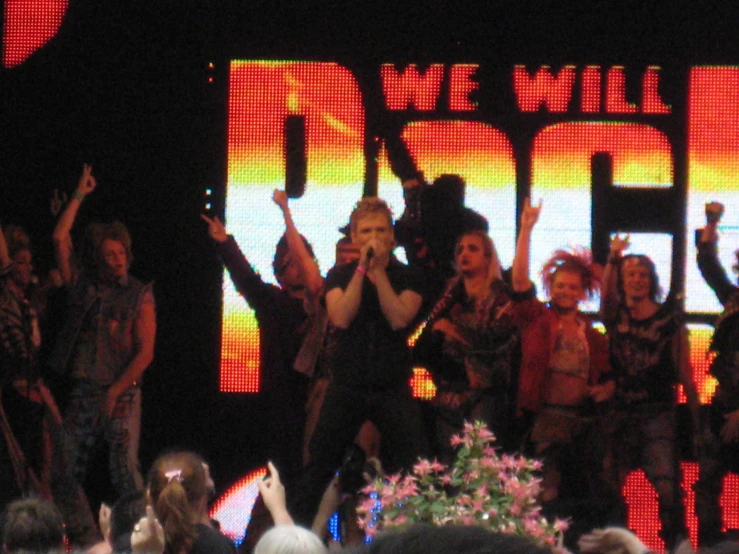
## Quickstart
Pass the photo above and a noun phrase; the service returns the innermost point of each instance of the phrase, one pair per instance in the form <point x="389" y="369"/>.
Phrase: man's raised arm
<point x="309" y="272"/>
<point x="520" y="271"/>
<point x="62" y="236"/>
<point x="609" y="296"/>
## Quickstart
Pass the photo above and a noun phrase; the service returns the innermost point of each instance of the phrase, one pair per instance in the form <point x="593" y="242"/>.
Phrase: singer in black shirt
<point x="370" y="352"/>
<point x="373" y="304"/>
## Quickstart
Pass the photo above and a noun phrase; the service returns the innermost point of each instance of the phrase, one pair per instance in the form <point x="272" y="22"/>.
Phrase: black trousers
<point x="396" y="415"/>
<point x="715" y="459"/>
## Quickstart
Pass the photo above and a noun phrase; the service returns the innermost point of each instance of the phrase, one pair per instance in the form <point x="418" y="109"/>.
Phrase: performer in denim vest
<point x="649" y="347"/>
<point x="106" y="344"/>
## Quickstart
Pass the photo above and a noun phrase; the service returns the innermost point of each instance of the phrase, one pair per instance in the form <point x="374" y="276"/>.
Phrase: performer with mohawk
<point x="564" y="367"/>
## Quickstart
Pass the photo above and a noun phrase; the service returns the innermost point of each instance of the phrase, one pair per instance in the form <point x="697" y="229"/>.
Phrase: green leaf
<point x="437" y="508"/>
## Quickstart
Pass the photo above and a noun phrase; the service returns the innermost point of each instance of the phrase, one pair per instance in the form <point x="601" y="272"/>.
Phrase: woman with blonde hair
<point x="470" y="345"/>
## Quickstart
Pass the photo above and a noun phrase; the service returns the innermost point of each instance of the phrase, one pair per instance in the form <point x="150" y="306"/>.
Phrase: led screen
<point x="555" y="165"/>
<point x="663" y="161"/>
<point x="28" y="25"/>
<point x="538" y="130"/>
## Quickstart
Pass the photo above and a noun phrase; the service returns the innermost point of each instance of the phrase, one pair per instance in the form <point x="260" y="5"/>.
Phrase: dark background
<point x="124" y="86"/>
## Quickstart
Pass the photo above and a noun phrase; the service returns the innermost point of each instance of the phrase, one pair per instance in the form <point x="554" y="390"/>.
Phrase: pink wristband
<point x="361" y="270"/>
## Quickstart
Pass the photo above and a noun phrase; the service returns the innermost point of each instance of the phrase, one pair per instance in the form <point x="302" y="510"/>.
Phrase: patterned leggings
<point x="86" y="426"/>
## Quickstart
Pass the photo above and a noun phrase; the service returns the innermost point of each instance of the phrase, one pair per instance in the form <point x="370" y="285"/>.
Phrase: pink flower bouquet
<point x="478" y="488"/>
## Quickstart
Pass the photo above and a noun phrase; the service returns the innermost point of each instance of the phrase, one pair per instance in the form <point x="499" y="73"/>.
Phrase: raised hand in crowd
<point x="104" y="519"/>
<point x="310" y="274"/>
<point x="609" y="297"/>
<point x="619" y="243"/>
<point x="273" y="494"/>
<point x="62" y="233"/>
<point x="530" y="214"/>
<point x="216" y="229"/>
<point x="520" y="277"/>
<point x="87" y="182"/>
<point x="714" y="212"/>
<point x="104" y="546"/>
<point x="148" y="535"/>
<point x="279" y="197"/>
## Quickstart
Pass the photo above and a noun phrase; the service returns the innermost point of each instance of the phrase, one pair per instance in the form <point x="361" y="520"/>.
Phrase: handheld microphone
<point x="370" y="254"/>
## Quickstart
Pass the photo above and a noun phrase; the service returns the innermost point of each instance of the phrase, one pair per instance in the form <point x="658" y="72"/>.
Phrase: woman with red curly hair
<point x="564" y="366"/>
